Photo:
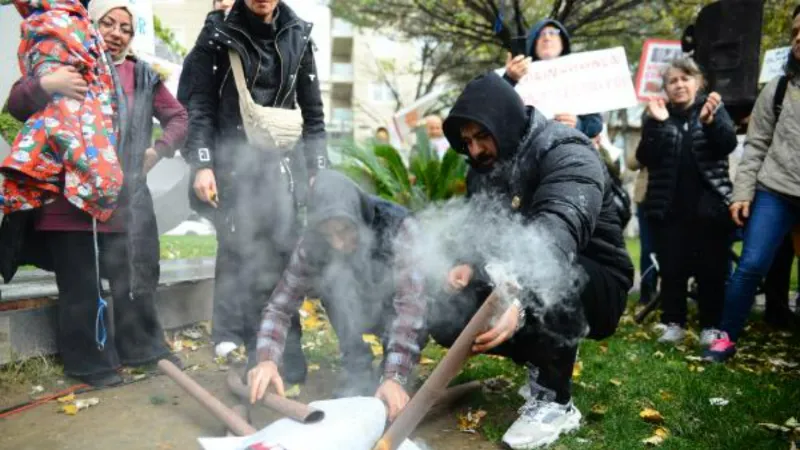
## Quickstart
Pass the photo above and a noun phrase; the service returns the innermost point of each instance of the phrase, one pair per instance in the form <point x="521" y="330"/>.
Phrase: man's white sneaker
<point x="674" y="334"/>
<point x="541" y="423"/>
<point x="223" y="349"/>
<point x="708" y="336"/>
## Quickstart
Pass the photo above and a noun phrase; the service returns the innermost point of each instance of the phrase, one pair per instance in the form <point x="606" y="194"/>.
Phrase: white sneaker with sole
<point x="223" y="349"/>
<point x="674" y="334"/>
<point x="708" y="336"/>
<point x="541" y="423"/>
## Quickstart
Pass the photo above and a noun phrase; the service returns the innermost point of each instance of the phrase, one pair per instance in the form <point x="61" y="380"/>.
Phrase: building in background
<point x="362" y="73"/>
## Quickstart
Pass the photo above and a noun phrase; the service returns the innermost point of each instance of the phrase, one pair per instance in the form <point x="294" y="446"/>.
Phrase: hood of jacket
<point x="533" y="35"/>
<point x="492" y="103"/>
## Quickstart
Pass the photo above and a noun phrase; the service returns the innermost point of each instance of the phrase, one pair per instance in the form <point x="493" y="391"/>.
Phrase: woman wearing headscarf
<point x="124" y="248"/>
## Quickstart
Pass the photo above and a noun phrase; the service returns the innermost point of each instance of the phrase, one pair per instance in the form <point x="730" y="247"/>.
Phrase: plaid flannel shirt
<point x="409" y="303"/>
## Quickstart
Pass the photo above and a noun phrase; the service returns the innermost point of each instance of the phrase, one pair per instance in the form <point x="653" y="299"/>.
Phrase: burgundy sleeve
<point x="26" y="97"/>
<point x="174" y="121"/>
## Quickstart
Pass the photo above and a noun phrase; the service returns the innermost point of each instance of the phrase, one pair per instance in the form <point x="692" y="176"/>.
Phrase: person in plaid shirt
<point x="350" y="257"/>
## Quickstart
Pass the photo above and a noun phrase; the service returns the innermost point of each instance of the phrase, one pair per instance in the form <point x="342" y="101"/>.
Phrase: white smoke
<point x="482" y="229"/>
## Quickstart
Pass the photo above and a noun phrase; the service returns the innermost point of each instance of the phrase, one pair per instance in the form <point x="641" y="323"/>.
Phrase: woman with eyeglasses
<point x="125" y="248"/>
<point x="549" y="39"/>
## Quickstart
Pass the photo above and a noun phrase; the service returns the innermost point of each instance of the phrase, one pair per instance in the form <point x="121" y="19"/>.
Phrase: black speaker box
<point x="727" y="45"/>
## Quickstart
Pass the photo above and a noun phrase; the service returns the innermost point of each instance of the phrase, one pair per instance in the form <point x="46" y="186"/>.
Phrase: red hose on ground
<point x="41" y="401"/>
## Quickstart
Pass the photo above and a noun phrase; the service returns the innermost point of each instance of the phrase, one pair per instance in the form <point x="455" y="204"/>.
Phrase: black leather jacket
<point x="215" y="124"/>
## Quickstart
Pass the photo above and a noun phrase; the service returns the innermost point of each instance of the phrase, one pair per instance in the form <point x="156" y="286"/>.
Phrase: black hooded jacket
<point x="545" y="171"/>
<point x="279" y="68"/>
<point x="334" y="196"/>
<point x="687" y="164"/>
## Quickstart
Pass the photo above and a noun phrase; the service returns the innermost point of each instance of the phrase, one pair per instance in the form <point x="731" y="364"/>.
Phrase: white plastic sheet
<point x="354" y="423"/>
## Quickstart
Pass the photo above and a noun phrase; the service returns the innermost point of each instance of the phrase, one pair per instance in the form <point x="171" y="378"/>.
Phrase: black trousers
<point x="692" y="247"/>
<point x="776" y="284"/>
<point x="138" y="337"/>
<point x="549" y="339"/>
<point x="257" y="229"/>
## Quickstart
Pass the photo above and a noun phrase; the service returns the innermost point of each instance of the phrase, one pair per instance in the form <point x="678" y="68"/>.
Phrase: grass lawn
<point x="182" y="247"/>
<point x="618" y="378"/>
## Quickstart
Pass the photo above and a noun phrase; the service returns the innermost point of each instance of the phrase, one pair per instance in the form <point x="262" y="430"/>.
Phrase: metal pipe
<point x="434" y="386"/>
<point x="231" y="420"/>
<point x="284" y="406"/>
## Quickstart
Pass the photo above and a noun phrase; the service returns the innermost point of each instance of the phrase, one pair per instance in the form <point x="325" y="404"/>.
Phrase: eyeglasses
<point x="550" y="32"/>
<point x="107" y="26"/>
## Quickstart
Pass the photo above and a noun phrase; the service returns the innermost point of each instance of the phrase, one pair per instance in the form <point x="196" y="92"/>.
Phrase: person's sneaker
<point x="720" y="350"/>
<point x="223" y="349"/>
<point x="708" y="336"/>
<point x="674" y="334"/>
<point x="541" y="423"/>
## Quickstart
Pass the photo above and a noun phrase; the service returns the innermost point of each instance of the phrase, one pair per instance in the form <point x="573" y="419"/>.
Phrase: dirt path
<point x="156" y="414"/>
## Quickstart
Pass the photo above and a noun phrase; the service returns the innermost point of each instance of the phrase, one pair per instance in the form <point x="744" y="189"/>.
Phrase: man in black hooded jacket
<point x="348" y="257"/>
<point x="549" y="175"/>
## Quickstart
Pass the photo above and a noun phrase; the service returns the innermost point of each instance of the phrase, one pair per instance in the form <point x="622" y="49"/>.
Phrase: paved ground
<point x="156" y="414"/>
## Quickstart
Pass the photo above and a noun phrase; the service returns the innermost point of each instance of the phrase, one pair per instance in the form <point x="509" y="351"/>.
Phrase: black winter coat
<point x="660" y="151"/>
<point x="215" y="124"/>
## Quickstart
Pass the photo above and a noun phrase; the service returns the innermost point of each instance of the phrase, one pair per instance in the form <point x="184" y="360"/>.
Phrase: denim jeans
<point x="649" y="279"/>
<point x="771" y="219"/>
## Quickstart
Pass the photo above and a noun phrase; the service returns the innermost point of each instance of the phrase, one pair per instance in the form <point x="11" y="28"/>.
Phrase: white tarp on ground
<point x="354" y="423"/>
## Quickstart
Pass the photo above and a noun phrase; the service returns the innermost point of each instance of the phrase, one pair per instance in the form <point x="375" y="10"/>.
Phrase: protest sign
<point x="144" y="40"/>
<point x="580" y="83"/>
<point x="774" y="60"/>
<point x="656" y="56"/>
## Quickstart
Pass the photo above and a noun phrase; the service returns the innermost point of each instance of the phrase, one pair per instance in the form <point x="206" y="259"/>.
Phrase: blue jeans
<point x="771" y="219"/>
<point x="650" y="276"/>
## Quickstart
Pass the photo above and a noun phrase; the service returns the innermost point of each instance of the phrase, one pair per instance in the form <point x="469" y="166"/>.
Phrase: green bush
<point x="9" y="127"/>
<point x="427" y="179"/>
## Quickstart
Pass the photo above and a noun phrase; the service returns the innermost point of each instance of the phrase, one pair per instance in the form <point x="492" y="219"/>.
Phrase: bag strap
<point x="238" y="73"/>
<point x="780" y="93"/>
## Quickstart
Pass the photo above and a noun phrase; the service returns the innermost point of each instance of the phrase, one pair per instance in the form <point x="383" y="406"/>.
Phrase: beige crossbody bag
<point x="266" y="127"/>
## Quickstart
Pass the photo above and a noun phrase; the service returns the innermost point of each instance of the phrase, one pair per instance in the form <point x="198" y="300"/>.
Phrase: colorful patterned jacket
<point x="70" y="138"/>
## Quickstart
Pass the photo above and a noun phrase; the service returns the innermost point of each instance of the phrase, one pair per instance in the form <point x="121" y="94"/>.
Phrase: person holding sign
<point x="685" y="146"/>
<point x="549" y="39"/>
<point x="766" y="196"/>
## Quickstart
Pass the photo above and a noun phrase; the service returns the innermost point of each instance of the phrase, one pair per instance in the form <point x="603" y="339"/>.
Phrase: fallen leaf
<point x="139" y="377"/>
<point x="177" y="345"/>
<point x="666" y="396"/>
<point x="599" y="410"/>
<point x="37" y="390"/>
<point x="72" y="408"/>
<point x="774" y="427"/>
<point x="603" y="347"/>
<point x="651" y="415"/>
<point x="659" y="354"/>
<point x="681" y="348"/>
<point x="577" y="368"/>
<point x="294" y="391"/>
<point x="426" y="361"/>
<point x="192" y="333"/>
<point x="693" y="358"/>
<point x="69" y="410"/>
<point x="778" y="362"/>
<point x="718" y="401"/>
<point x="189" y="344"/>
<point x="374" y="344"/>
<point x="615" y="382"/>
<point x="659" y="436"/>
<point x="313" y="367"/>
<point x="792" y="423"/>
<point x="67" y="398"/>
<point x="469" y="422"/>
